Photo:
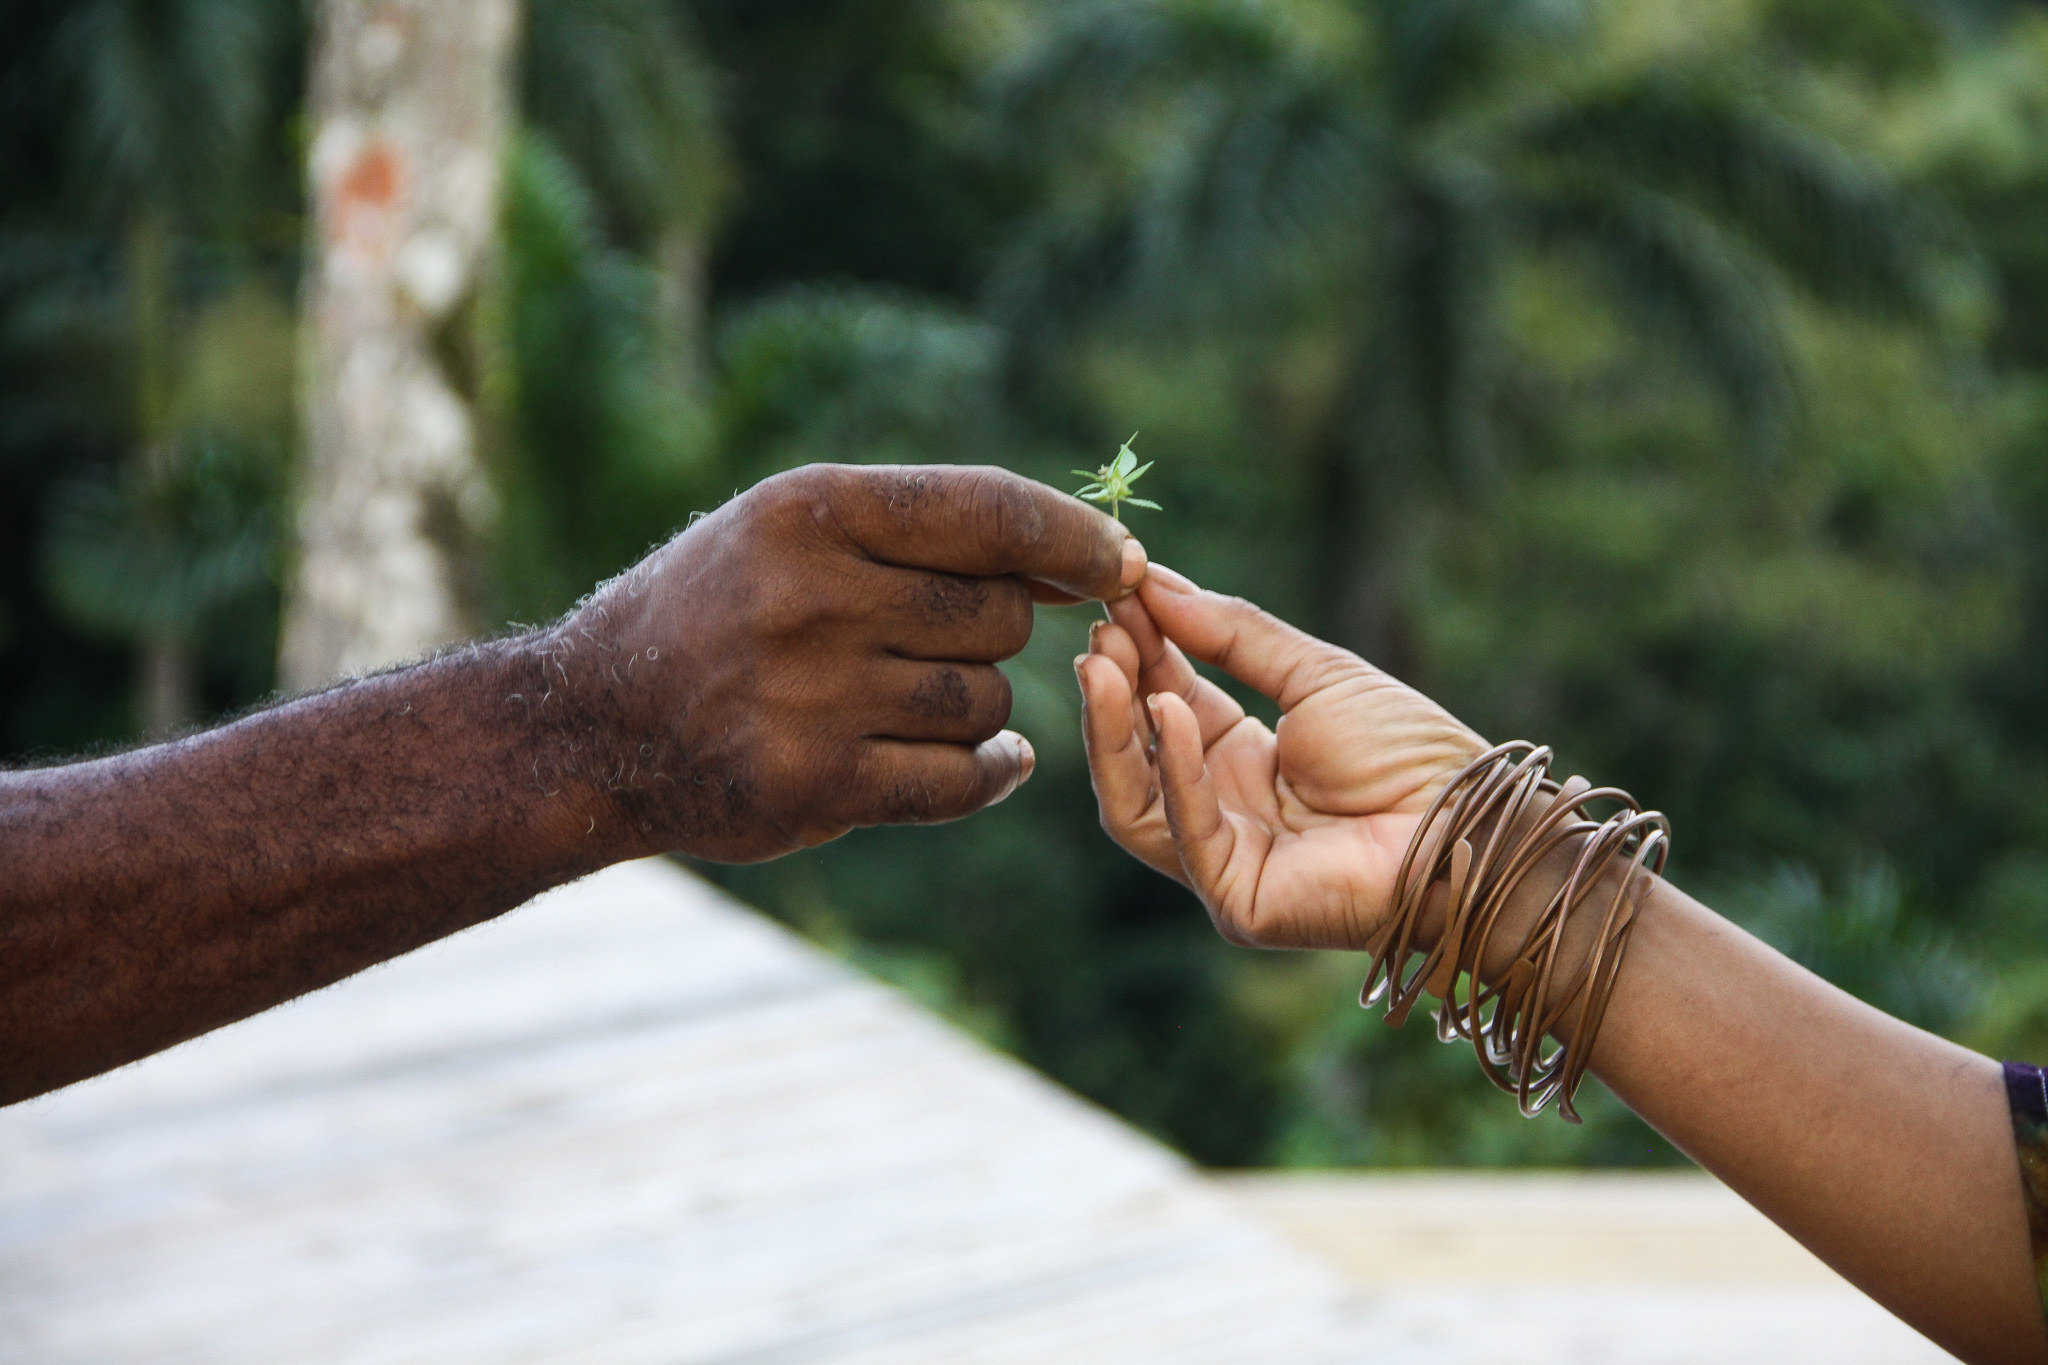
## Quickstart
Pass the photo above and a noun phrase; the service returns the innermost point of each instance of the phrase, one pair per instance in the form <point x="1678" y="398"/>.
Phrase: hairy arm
<point x="819" y="654"/>
<point x="158" y="894"/>
<point x="1884" y="1149"/>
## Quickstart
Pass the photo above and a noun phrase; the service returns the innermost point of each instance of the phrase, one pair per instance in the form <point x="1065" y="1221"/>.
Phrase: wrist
<point x="1519" y="905"/>
<point x="1525" y="902"/>
<point x="566" y="723"/>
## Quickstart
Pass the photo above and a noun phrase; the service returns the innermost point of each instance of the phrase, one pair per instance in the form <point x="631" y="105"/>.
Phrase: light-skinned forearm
<point x="1885" y="1150"/>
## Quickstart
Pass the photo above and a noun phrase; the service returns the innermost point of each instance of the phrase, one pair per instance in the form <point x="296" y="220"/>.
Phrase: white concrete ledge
<point x="635" y="1124"/>
<point x="631" y="1122"/>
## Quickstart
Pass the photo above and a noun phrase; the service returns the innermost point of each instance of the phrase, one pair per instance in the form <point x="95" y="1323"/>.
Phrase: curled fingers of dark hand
<point x="934" y="615"/>
<point x="951" y="702"/>
<point x="899" y="782"/>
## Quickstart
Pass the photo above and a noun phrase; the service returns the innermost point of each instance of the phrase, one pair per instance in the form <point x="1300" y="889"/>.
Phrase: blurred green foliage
<point x="1664" y="380"/>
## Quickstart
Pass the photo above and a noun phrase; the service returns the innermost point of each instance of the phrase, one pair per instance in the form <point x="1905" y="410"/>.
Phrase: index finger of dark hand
<point x="978" y="519"/>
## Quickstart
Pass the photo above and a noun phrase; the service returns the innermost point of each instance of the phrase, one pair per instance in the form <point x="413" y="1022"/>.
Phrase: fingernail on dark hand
<point x="1026" y="761"/>
<point x="1134" y="564"/>
<point x="1169" y="580"/>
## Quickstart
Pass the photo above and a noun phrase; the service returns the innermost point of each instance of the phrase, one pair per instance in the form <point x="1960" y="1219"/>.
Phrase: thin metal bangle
<point x="1507" y="1022"/>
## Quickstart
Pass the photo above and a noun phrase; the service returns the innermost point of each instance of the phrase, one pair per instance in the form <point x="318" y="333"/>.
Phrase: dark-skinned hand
<point x="817" y="654"/>
<point x="820" y="654"/>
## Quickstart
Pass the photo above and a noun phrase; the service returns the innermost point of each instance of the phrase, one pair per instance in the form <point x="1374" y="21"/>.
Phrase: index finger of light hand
<point x="1205" y="840"/>
<point x="978" y="519"/>
<point x="1253" y="646"/>
<point x="1163" y="668"/>
<point x="1117" y="763"/>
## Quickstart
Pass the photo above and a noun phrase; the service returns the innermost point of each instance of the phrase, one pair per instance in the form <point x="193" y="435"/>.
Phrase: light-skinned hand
<point x="1292" y="836"/>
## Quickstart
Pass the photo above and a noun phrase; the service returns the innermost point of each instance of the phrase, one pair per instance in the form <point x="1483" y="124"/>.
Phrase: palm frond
<point x="1247" y="182"/>
<point x="1834" y="222"/>
<point x="141" y="557"/>
<point x="622" y="90"/>
<point x="164" y="95"/>
<point x="1681" y="277"/>
<point x="853" y="374"/>
<point x="1101" y="56"/>
<point x="1439" y="56"/>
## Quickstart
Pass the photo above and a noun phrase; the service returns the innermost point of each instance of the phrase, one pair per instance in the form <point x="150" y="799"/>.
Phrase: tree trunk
<point x="166" y="676"/>
<point x="411" y="109"/>
<point x="166" y="685"/>
<point x="679" y="257"/>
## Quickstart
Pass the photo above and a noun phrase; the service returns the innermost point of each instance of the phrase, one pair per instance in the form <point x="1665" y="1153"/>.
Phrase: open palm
<point x="1291" y="836"/>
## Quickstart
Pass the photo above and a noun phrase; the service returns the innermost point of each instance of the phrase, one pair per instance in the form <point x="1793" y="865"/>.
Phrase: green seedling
<point x="1112" y="483"/>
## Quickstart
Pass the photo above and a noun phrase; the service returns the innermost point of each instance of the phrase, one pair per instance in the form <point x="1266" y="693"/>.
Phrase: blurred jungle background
<point x="1663" y="379"/>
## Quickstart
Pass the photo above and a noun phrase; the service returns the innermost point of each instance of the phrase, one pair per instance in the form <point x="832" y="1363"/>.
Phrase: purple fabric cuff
<point x="2026" y="1093"/>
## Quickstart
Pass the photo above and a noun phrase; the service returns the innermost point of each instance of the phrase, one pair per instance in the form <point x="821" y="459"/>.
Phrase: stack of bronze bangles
<point x="1480" y="839"/>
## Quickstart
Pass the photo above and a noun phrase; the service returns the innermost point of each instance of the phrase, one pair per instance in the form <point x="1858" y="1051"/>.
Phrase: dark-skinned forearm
<point x="816" y="655"/>
<point x="159" y="893"/>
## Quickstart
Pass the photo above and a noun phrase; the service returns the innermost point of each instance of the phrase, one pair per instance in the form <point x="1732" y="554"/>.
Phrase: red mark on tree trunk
<point x="364" y="196"/>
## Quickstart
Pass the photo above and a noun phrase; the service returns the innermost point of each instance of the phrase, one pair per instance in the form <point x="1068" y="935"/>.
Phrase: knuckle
<point x="942" y="693"/>
<point x="1227" y="927"/>
<point x="983" y="617"/>
<point x="895" y="497"/>
<point x="975" y="700"/>
<point x="921" y="793"/>
<point x="1005" y="518"/>
<point x="816" y="492"/>
<point x="945" y="599"/>
<point x="1013" y="617"/>
<point x="798" y="619"/>
<point x="933" y="798"/>
<point x="907" y="801"/>
<point x="997" y="700"/>
<point x="801" y="484"/>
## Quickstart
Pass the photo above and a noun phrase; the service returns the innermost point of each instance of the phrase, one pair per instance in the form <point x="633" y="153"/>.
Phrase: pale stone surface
<point x="634" y="1122"/>
<point x="1531" y="1227"/>
<point x="630" y="1122"/>
<point x="1647" y="1268"/>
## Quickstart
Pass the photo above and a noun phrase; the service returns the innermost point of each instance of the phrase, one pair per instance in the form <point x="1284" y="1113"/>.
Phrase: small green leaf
<point x="1111" y="484"/>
